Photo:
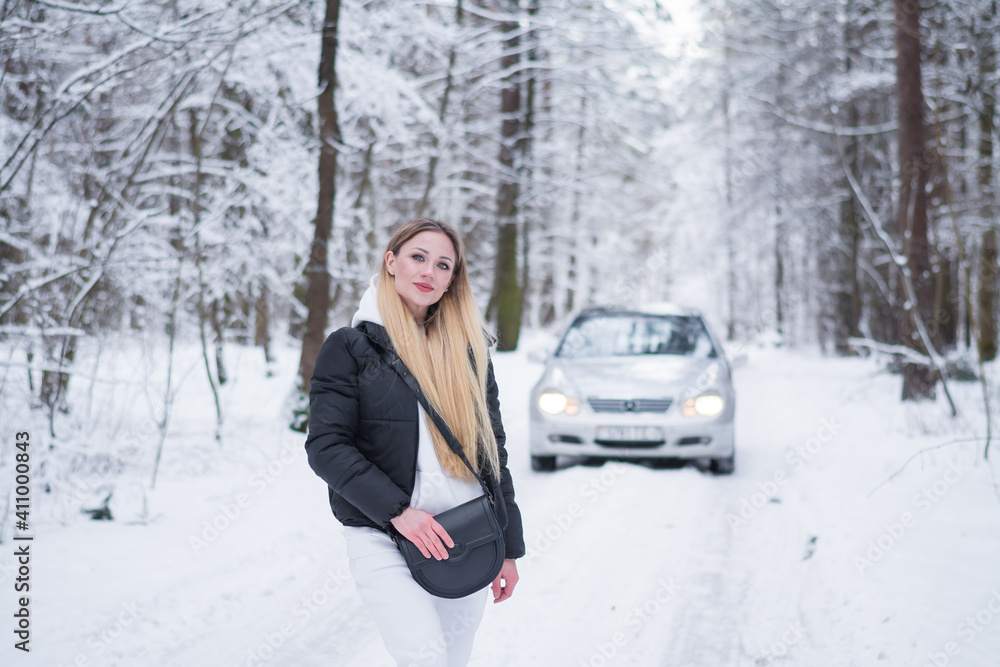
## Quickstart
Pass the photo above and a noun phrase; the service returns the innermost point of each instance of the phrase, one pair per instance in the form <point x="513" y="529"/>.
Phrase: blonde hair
<point x="448" y="356"/>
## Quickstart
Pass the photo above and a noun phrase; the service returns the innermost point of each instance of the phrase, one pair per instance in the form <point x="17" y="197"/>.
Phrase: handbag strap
<point x="404" y="373"/>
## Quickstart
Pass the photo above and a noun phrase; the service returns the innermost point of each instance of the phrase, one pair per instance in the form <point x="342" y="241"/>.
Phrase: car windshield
<point x="610" y="335"/>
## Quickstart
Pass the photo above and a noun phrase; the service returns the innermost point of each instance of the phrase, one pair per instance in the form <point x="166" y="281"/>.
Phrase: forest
<point x="194" y="193"/>
<point x="820" y="174"/>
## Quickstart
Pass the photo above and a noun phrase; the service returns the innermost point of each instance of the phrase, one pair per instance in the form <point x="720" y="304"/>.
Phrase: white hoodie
<point x="434" y="490"/>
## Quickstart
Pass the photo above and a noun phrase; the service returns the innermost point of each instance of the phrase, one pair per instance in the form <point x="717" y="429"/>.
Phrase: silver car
<point x="637" y="383"/>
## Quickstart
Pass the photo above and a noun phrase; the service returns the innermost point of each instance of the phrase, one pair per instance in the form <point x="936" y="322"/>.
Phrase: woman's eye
<point x="443" y="266"/>
<point x="418" y="257"/>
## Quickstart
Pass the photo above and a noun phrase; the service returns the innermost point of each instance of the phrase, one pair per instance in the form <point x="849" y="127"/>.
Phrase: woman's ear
<point x="390" y="262"/>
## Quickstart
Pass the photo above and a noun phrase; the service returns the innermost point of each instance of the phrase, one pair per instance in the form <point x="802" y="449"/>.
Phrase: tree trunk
<point x="730" y="216"/>
<point x="199" y="258"/>
<point x="507" y="299"/>
<point x="262" y="324"/>
<point x="525" y="145"/>
<point x="918" y="379"/>
<point x="317" y="275"/>
<point x="848" y="290"/>
<point x="780" y="232"/>
<point x="942" y="327"/>
<point x="779" y="274"/>
<point x="357" y="252"/>
<point x="449" y="82"/>
<point x="572" y="237"/>
<point x="55" y="384"/>
<point x="218" y="321"/>
<point x="945" y="303"/>
<point x="987" y="297"/>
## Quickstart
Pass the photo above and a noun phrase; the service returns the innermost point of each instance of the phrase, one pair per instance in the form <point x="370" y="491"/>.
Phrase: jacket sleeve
<point x="514" y="533"/>
<point x="333" y="425"/>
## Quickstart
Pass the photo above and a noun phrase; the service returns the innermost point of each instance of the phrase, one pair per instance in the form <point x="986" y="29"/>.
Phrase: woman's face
<point x="423" y="269"/>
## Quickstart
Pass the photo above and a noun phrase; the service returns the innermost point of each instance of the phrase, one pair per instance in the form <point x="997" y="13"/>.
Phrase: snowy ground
<point x="801" y="558"/>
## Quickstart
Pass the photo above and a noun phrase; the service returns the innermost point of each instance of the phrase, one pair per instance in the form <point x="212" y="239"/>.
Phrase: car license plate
<point x="630" y="433"/>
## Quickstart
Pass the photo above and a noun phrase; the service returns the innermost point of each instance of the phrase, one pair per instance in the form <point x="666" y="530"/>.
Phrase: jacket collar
<point x="376" y="333"/>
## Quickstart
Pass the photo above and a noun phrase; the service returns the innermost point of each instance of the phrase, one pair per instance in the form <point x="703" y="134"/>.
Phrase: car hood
<point x="646" y="376"/>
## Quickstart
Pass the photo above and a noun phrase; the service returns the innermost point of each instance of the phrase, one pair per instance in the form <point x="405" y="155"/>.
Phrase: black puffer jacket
<point x="363" y="435"/>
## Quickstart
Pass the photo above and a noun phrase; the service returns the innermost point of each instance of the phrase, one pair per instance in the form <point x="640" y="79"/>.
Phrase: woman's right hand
<point x="420" y="528"/>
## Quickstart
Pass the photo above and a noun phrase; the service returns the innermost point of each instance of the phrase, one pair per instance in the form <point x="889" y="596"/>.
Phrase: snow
<point x="807" y="555"/>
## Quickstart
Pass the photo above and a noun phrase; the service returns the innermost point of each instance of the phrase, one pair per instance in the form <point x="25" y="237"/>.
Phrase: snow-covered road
<point x="791" y="561"/>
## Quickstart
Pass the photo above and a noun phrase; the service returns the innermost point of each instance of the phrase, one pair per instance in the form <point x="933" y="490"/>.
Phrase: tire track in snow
<point x="705" y="631"/>
<point x="641" y="567"/>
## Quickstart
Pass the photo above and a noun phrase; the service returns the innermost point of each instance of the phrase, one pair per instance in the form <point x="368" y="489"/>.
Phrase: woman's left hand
<point x="508" y="577"/>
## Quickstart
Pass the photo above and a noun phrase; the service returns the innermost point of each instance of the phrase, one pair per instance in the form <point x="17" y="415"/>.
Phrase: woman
<point x="385" y="463"/>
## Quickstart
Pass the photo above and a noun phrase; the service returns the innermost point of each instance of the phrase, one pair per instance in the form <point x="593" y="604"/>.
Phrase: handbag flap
<point x="469" y="525"/>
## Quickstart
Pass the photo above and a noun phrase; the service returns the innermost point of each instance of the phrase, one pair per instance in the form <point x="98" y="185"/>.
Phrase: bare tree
<point x="317" y="273"/>
<point x="988" y="282"/>
<point x="507" y="299"/>
<point x="918" y="379"/>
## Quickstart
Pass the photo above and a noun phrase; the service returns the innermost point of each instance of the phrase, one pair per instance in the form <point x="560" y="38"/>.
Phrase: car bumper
<point x="572" y="437"/>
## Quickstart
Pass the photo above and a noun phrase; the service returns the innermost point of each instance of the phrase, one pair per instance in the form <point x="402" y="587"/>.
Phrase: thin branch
<point x="896" y="350"/>
<point x="963" y="263"/>
<point x="911" y="294"/>
<point x="83" y="9"/>
<point x="915" y="455"/>
<point x="35" y="284"/>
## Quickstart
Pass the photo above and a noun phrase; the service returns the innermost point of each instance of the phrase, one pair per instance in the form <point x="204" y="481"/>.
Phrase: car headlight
<point x="554" y="402"/>
<point x="706" y="405"/>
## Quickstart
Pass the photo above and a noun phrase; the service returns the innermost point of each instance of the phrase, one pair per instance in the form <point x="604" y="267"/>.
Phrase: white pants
<point x="419" y="629"/>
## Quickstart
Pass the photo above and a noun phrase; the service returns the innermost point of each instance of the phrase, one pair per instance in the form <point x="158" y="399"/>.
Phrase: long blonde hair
<point x="448" y="356"/>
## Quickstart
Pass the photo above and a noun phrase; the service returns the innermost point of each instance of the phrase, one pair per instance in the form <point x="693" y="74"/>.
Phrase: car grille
<point x="630" y="444"/>
<point x="629" y="405"/>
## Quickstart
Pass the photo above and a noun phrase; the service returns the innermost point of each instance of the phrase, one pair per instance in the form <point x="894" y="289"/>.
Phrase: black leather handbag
<point x="475" y="560"/>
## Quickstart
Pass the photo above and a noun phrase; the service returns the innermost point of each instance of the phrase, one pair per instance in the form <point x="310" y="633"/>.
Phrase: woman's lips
<point x="424" y="287"/>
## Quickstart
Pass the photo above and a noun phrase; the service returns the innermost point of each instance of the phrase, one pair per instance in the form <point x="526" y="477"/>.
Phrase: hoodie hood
<point x="368" y="308"/>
